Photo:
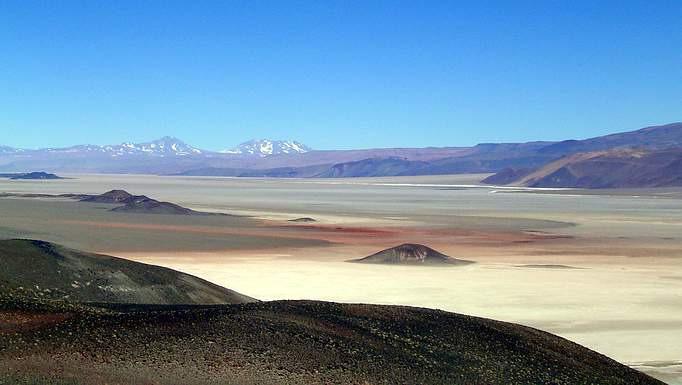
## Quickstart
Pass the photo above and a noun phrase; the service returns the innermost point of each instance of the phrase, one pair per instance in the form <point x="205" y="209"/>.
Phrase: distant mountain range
<point x="273" y="158"/>
<point x="166" y="146"/>
<point x="265" y="147"/>
<point x="161" y="147"/>
<point x="7" y="150"/>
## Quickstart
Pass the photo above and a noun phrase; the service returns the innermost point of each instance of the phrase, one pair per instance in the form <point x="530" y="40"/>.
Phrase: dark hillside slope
<point x="290" y="342"/>
<point x="46" y="270"/>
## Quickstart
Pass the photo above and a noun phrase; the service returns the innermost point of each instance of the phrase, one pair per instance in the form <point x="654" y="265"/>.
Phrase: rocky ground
<point x="284" y="342"/>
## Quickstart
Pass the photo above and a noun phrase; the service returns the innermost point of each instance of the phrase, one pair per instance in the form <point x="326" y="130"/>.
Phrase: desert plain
<point x="602" y="268"/>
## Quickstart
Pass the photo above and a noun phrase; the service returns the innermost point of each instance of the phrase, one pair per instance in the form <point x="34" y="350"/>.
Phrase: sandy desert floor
<point x="601" y="268"/>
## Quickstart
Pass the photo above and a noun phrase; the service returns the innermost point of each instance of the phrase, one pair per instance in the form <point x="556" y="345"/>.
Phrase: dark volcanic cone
<point x="146" y="205"/>
<point x="411" y="254"/>
<point x="113" y="196"/>
<point x="303" y="219"/>
<point x="140" y="204"/>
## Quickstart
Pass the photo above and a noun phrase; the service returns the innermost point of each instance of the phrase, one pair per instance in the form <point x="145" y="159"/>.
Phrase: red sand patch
<point x="13" y="321"/>
<point x="352" y="235"/>
<point x="462" y="236"/>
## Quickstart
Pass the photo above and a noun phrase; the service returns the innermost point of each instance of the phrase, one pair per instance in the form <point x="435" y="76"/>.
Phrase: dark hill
<point x="145" y="205"/>
<point x="411" y="254"/>
<point x="303" y="219"/>
<point x="30" y="175"/>
<point x="46" y="270"/>
<point x="287" y="342"/>
<point x="140" y="204"/>
<point x="113" y="196"/>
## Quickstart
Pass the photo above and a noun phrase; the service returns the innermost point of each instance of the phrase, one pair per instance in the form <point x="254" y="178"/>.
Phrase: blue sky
<point x="347" y="74"/>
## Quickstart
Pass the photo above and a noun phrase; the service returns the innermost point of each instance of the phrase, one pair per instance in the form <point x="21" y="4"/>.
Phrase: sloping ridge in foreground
<point x="291" y="342"/>
<point x="46" y="270"/>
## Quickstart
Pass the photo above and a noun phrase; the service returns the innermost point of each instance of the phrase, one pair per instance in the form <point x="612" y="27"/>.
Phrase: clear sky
<point x="347" y="74"/>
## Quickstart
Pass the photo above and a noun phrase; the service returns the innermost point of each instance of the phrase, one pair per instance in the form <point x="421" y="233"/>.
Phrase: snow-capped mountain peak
<point x="166" y="146"/>
<point x="7" y="150"/>
<point x="265" y="147"/>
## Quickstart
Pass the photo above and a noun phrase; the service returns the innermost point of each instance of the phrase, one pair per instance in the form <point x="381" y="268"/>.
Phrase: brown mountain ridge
<point x="618" y="168"/>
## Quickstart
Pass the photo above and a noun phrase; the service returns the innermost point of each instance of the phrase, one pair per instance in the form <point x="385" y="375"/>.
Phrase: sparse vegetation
<point x="286" y="342"/>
